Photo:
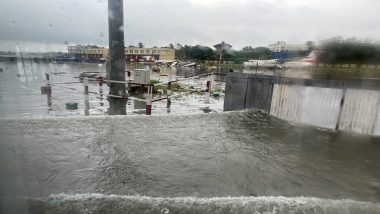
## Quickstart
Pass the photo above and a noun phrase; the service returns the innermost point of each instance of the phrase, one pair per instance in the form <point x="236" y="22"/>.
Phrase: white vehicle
<point x="193" y="64"/>
<point x="164" y="61"/>
<point x="253" y="63"/>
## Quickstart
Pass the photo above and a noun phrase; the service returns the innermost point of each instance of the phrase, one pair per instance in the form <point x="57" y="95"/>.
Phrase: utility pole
<point x="116" y="48"/>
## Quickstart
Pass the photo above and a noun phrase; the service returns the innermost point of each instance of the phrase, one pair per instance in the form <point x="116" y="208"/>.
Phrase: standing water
<point x="20" y="93"/>
<point x="242" y="162"/>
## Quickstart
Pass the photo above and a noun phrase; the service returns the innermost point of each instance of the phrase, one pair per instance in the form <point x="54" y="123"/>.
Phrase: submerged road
<point x="216" y="155"/>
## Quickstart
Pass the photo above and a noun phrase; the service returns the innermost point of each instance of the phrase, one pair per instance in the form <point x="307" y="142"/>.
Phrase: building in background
<point x="95" y="53"/>
<point x="283" y="46"/>
<point x="283" y="51"/>
<point x="149" y="54"/>
<point x="88" y="52"/>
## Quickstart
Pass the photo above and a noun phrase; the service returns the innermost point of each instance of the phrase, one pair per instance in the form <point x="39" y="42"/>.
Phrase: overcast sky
<point x="47" y="24"/>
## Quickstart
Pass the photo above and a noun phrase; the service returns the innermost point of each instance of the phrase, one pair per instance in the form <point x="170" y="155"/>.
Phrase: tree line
<point x="349" y="51"/>
<point x="199" y="52"/>
<point x="336" y="50"/>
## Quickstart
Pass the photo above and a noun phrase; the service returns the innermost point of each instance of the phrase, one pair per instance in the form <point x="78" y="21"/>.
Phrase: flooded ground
<point x="21" y="81"/>
<point x="20" y="94"/>
<point x="179" y="160"/>
<point x="186" y="163"/>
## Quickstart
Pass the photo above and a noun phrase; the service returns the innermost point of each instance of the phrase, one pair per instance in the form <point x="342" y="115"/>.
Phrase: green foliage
<point x="157" y="88"/>
<point x="253" y="53"/>
<point x="198" y="52"/>
<point x="153" y="82"/>
<point x="352" y="51"/>
<point x="194" y="52"/>
<point x="176" y="87"/>
<point x="219" y="89"/>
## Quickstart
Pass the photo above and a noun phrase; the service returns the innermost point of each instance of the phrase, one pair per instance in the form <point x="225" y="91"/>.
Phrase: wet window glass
<point x="189" y="106"/>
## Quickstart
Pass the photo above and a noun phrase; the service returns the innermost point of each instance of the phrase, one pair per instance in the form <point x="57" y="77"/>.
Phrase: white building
<point x="283" y="46"/>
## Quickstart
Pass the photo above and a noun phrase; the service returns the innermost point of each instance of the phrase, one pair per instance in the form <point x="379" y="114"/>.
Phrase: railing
<point x="47" y="89"/>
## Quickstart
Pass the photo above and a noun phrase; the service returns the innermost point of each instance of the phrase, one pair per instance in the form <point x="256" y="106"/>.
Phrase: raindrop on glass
<point x="110" y="14"/>
<point x="165" y="211"/>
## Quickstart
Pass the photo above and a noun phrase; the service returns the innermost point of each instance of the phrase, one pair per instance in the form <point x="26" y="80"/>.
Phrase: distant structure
<point x="92" y="52"/>
<point x="147" y="54"/>
<point x="88" y="52"/>
<point x="222" y="48"/>
<point x="283" y="46"/>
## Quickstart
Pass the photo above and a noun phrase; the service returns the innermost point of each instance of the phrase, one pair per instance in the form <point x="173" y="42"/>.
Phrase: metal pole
<point x="208" y="89"/>
<point x="220" y="60"/>
<point x="86" y="97"/>
<point x="149" y="100"/>
<point x="116" y="47"/>
<point x="47" y="78"/>
<point x="129" y="78"/>
<point x="169" y="93"/>
<point x="101" y="92"/>
<point x="46" y="89"/>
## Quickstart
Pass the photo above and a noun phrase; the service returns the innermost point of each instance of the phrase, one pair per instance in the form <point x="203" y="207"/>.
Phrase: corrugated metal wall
<point x="259" y="93"/>
<point x="244" y="91"/>
<point x="235" y="92"/>
<point x="321" y="106"/>
<point x="376" y="128"/>
<point x="321" y="103"/>
<point x="360" y="111"/>
<point x="287" y="102"/>
<point x="310" y="105"/>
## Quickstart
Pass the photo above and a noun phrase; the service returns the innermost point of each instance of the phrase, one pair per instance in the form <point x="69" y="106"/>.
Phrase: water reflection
<point x="117" y="106"/>
<point x="49" y="101"/>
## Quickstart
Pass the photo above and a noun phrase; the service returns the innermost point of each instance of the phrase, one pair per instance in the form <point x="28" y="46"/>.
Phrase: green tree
<point x="350" y="50"/>
<point x="248" y="52"/>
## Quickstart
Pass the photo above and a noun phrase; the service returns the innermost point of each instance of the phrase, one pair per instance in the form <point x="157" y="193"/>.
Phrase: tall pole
<point x="116" y="47"/>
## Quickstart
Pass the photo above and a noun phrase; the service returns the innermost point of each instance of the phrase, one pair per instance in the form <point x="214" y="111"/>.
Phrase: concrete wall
<point x="259" y="93"/>
<point x="245" y="91"/>
<point x="236" y="87"/>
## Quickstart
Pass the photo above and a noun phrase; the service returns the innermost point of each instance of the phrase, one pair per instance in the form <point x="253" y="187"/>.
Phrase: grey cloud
<point x="160" y="22"/>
